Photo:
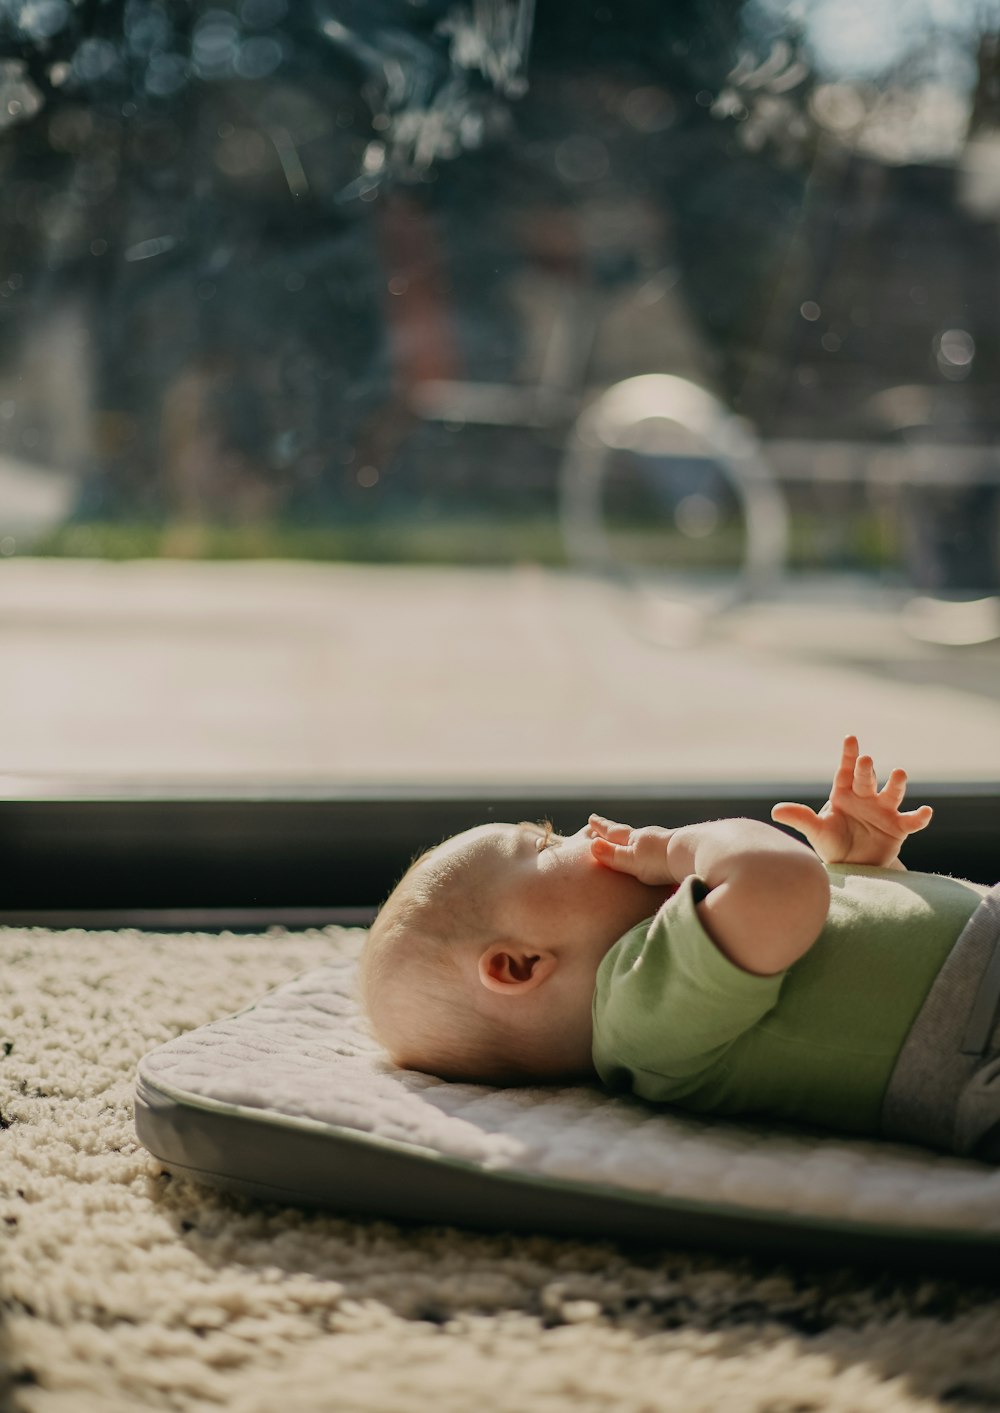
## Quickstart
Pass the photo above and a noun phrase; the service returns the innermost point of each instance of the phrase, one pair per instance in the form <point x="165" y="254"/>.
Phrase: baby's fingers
<point x="617" y="856"/>
<point x="610" y="829"/>
<point x="844" y="777"/>
<point x="865" y="782"/>
<point x="799" y="817"/>
<point x="912" y="820"/>
<point x="894" y="788"/>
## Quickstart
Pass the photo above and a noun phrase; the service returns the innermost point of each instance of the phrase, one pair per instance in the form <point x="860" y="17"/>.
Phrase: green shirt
<point x="675" y="1021"/>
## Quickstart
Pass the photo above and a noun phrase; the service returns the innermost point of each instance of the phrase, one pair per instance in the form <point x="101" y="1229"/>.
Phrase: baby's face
<point x="548" y="889"/>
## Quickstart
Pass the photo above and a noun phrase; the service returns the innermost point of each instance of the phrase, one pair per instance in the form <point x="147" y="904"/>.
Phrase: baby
<point x="723" y="967"/>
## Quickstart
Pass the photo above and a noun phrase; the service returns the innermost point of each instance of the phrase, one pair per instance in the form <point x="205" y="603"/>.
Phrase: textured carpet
<point x="124" y="1290"/>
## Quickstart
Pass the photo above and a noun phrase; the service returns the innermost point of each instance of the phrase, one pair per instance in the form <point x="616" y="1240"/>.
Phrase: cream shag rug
<point x="122" y="1290"/>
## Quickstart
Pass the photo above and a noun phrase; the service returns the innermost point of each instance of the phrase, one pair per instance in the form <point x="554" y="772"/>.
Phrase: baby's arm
<point x="768" y="895"/>
<point x="859" y="824"/>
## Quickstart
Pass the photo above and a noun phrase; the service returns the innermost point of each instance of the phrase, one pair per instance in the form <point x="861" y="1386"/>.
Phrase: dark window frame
<point x="247" y="858"/>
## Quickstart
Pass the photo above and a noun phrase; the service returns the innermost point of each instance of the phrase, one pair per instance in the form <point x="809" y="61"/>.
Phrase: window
<point x="431" y="395"/>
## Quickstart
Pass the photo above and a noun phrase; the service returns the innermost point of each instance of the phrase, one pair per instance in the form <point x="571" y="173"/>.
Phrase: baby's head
<point x="481" y="963"/>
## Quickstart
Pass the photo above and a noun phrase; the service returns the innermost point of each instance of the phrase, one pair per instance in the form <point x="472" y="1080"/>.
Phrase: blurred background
<point x="411" y="391"/>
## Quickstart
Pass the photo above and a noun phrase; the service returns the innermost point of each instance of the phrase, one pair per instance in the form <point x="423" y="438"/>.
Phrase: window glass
<point x="402" y="392"/>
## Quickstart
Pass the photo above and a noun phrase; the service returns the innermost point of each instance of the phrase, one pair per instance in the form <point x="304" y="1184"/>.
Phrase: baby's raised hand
<point x="859" y="823"/>
<point x="640" y="852"/>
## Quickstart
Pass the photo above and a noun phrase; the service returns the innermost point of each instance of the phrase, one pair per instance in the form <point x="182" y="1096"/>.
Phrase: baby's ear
<point x="510" y="968"/>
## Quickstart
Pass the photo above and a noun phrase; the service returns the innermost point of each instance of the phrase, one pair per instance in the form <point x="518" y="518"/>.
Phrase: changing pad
<point x="292" y="1100"/>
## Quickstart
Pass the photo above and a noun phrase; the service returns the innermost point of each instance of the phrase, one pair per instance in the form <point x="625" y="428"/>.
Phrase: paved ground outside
<point x="275" y="674"/>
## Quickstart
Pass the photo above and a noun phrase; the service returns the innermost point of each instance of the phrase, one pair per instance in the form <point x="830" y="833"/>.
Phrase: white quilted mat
<point x="303" y="1051"/>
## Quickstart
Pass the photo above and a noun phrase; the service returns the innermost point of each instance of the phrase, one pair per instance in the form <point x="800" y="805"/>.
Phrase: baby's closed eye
<point x="543" y="833"/>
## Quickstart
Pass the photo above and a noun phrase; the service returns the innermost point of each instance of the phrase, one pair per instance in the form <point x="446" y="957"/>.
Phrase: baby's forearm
<point x="714" y="848"/>
<point x="768" y="894"/>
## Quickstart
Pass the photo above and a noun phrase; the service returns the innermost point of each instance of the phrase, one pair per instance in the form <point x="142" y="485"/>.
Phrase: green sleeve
<point x="668" y="1004"/>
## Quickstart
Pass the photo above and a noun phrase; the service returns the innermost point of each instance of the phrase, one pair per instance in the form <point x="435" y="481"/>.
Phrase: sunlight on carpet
<point x="123" y="1289"/>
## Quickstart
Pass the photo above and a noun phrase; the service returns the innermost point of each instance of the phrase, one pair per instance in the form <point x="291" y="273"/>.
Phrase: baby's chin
<point x="623" y="903"/>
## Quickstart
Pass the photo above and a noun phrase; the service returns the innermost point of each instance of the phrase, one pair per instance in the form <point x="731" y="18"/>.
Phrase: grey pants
<point x="945" y="1088"/>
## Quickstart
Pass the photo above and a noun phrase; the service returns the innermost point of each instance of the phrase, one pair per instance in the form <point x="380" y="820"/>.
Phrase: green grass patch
<point x="858" y="544"/>
<point x="485" y="542"/>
